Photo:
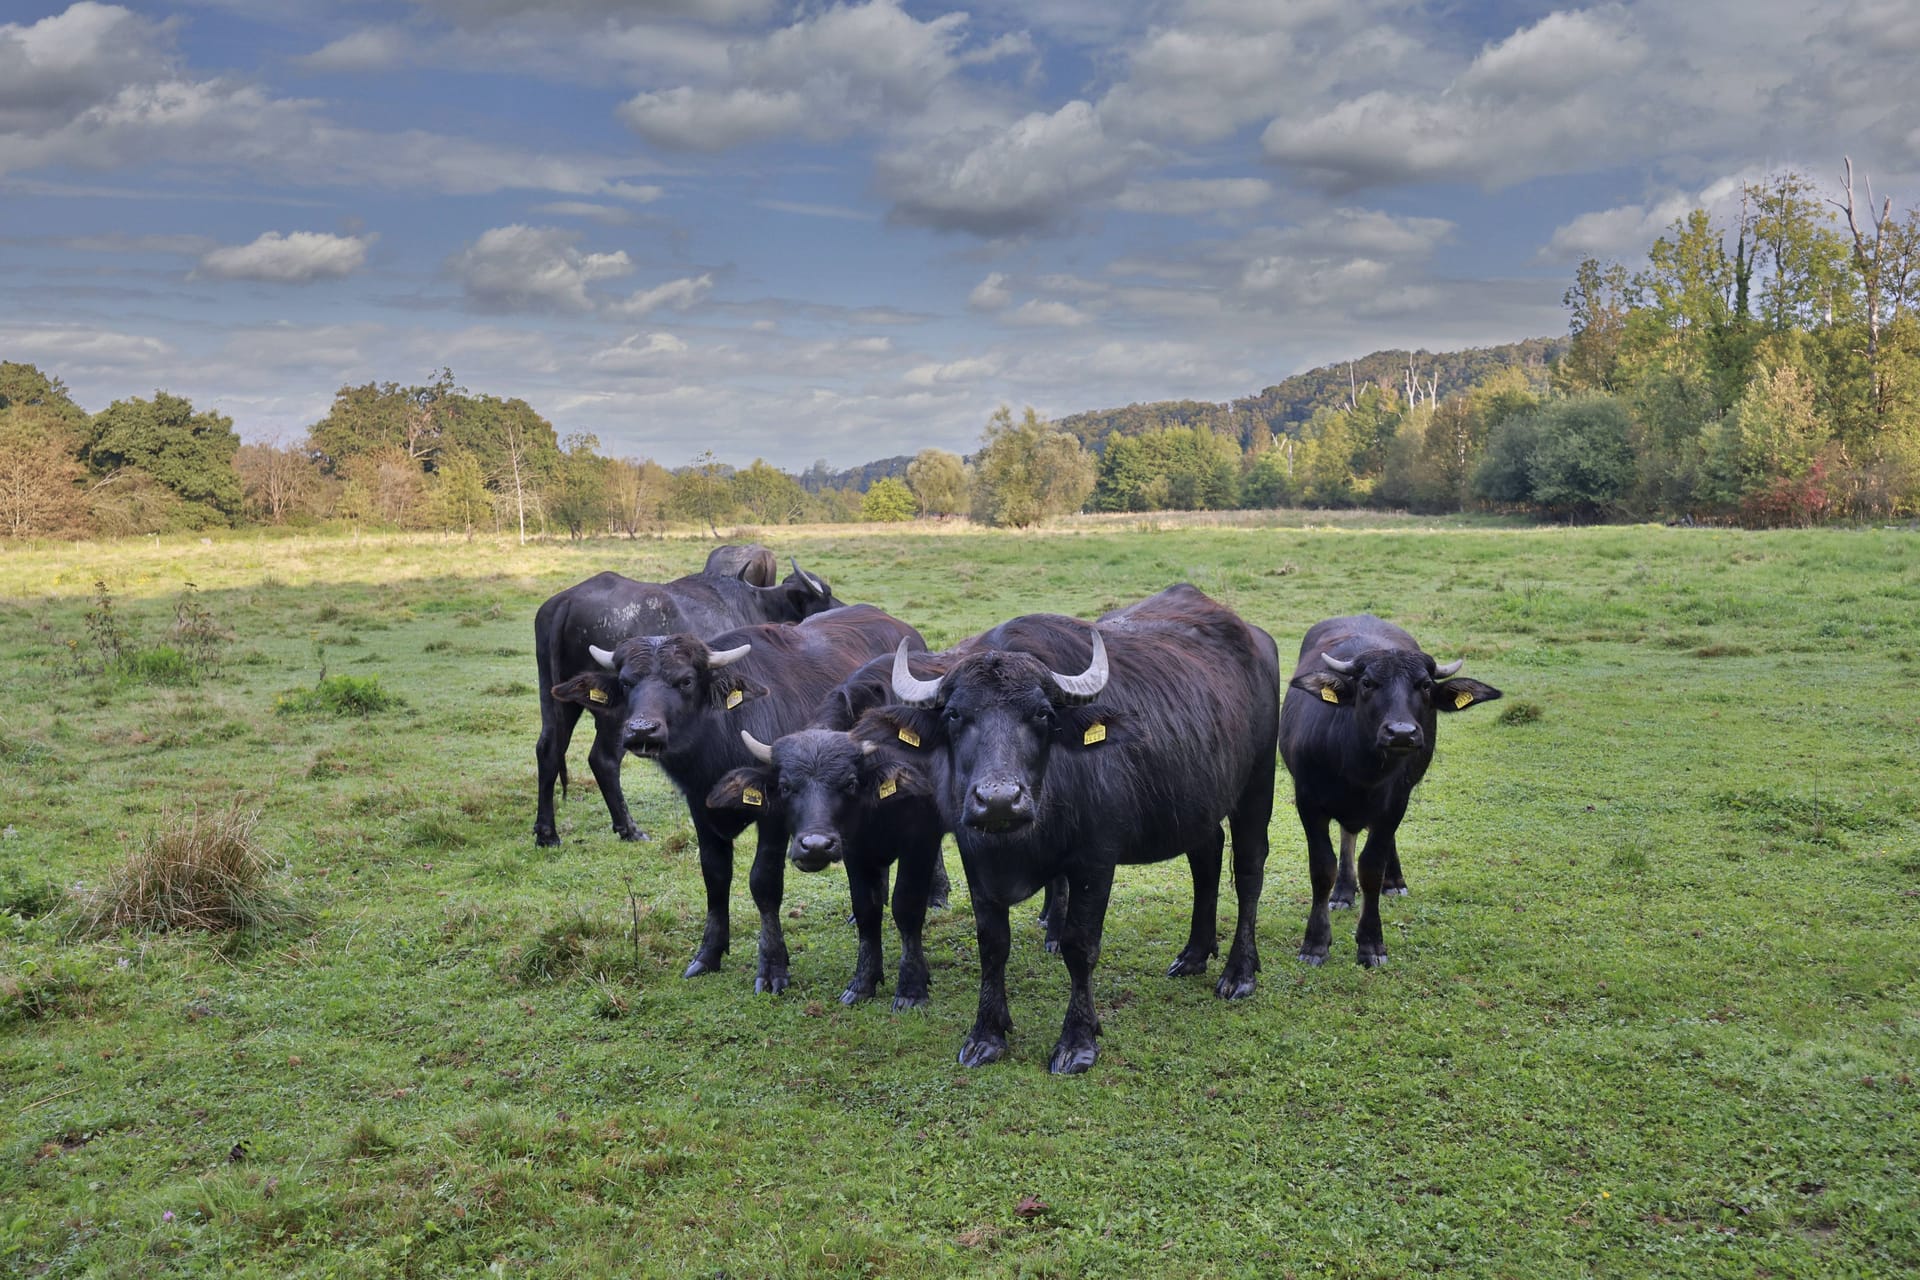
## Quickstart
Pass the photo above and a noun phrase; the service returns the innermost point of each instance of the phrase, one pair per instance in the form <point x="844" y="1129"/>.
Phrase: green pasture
<point x="1652" y="1005"/>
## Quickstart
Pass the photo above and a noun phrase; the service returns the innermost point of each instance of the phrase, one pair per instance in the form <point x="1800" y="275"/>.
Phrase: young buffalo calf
<point x="1357" y="734"/>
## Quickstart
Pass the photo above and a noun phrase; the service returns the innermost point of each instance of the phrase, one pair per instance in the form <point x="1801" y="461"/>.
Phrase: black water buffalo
<point x="685" y="701"/>
<point x="606" y="609"/>
<point x="1357" y="733"/>
<point x="1169" y="730"/>
<point x="843" y="803"/>
<point x="750" y="562"/>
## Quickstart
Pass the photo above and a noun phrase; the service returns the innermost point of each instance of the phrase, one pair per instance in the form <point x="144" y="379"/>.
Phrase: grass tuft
<point x="561" y="950"/>
<point x="1521" y="713"/>
<point x="338" y="696"/>
<point x="365" y="1140"/>
<point x="197" y="872"/>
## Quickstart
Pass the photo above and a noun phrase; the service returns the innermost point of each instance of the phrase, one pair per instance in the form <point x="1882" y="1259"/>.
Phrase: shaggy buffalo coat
<point x="1357" y="734"/>
<point x="1036" y="782"/>
<point x="607" y="609"/>
<point x="683" y="702"/>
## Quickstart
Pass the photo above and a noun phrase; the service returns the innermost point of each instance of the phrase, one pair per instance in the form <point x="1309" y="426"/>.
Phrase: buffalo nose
<point x="815" y="849"/>
<point x="1401" y="735"/>
<point x="997" y="805"/>
<point x="646" y="733"/>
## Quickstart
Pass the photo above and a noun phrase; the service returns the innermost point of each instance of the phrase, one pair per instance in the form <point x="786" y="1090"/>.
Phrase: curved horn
<point x="819" y="587"/>
<point x="1445" y="669"/>
<point x="914" y="692"/>
<point x="757" y="749"/>
<point x="603" y="656"/>
<point x="727" y="657"/>
<point x="1086" y="686"/>
<point x="1341" y="665"/>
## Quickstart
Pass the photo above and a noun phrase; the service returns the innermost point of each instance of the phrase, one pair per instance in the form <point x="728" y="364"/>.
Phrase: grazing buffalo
<point x="1168" y="730"/>
<point x="1357" y="733"/>
<point x="685" y="702"/>
<point x="752" y="563"/>
<point x="606" y="609"/>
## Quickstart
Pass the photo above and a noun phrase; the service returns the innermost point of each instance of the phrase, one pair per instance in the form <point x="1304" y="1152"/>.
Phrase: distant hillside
<point x="1284" y="407"/>
<point x="819" y="476"/>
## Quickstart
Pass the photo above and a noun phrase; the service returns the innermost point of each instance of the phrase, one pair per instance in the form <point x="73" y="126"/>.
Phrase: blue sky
<point x="842" y="231"/>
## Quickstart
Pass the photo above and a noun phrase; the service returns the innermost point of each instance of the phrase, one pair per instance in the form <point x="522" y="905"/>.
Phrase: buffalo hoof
<point x="1314" y="955"/>
<point x="1340" y="899"/>
<point x="1233" y="986"/>
<point x="1372" y="955"/>
<point x="770" y="981"/>
<point x="979" y="1050"/>
<point x="1072" y="1059"/>
<point x="938" y="902"/>
<point x="545" y="837"/>
<point x="903" y="1001"/>
<point x="631" y="834"/>
<point x="1188" y="964"/>
<point x="856" y="992"/>
<point x="1395" y="891"/>
<point x="702" y="963"/>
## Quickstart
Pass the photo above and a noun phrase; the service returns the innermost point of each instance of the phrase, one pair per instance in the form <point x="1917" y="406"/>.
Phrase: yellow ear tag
<point x="735" y="698"/>
<point x="887" y="787"/>
<point x="752" y="796"/>
<point x="1461" y="699"/>
<point x="909" y="737"/>
<point x="1328" y="695"/>
<point x="597" y="694"/>
<point x="1095" y="733"/>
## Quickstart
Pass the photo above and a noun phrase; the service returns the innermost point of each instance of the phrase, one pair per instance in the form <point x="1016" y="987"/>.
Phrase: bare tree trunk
<point x="1871" y="265"/>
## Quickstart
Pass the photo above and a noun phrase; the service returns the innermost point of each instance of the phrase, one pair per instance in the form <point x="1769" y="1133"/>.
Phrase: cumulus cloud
<point x="990" y="294"/>
<point x="299" y="257"/>
<point x="368" y="49"/>
<point x="1185" y="197"/>
<point x="521" y="268"/>
<point x="676" y="294"/>
<point x="1025" y="177"/>
<point x="1047" y="312"/>
<point x="62" y="64"/>
<point x="638" y="353"/>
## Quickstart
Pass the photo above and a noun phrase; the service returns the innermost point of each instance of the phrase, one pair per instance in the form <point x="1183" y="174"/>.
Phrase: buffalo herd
<point x="1052" y="749"/>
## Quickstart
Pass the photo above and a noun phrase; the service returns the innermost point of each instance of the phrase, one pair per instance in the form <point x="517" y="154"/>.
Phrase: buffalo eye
<point x="954" y="717"/>
<point x="1368" y="682"/>
<point x="684" y="682"/>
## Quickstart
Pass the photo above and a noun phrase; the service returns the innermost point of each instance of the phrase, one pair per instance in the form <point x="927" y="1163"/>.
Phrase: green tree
<point x="190" y="454"/>
<point x="1599" y="300"/>
<point x="460" y="489"/>
<point x="1795" y="237"/>
<point x="1026" y="472"/>
<point x="701" y="492"/>
<point x="886" y="501"/>
<point x="939" y="482"/>
<point x="1269" y="480"/>
<point x="384" y="417"/>
<point x="640" y="491"/>
<point x="41" y="433"/>
<point x="767" y="494"/>
<point x="1581" y="464"/>
<point x="577" y="495"/>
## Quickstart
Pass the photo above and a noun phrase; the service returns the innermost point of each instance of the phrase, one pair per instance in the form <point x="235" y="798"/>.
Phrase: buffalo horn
<point x="1086" y="686"/>
<point x="1445" y="669"/>
<point x="602" y="656"/>
<point x="914" y="692"/>
<point x="727" y="657"/>
<point x="757" y="749"/>
<point x="819" y="587"/>
<point x="1341" y="665"/>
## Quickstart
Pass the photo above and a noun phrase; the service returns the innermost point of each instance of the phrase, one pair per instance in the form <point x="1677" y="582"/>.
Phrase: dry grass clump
<point x="195" y="871"/>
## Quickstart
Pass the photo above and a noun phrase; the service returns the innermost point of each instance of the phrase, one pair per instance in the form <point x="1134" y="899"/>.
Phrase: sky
<point x="844" y="231"/>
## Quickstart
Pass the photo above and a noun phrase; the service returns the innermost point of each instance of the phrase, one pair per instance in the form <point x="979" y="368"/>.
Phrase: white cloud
<point x="609" y="215"/>
<point x="636" y="353"/>
<point x="63" y="63"/>
<point x="1025" y="177"/>
<point x="697" y="120"/>
<point x="990" y="294"/>
<point x="521" y="268"/>
<point x="368" y="49"/>
<point x="676" y="294"/>
<point x="299" y="257"/>
<point x="1185" y="197"/>
<point x="1048" y="313"/>
<point x="969" y="369"/>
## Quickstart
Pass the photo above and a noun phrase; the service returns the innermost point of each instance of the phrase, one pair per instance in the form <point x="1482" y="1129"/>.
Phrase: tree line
<point x="1773" y="382"/>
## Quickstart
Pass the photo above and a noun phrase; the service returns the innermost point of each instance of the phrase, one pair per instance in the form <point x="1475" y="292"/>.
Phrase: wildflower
<point x="167" y="1216"/>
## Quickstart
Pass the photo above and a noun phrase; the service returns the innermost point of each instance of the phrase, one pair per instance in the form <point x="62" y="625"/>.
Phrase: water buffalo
<point x="1357" y="734"/>
<point x="608" y="608"/>
<point x="684" y="702"/>
<point x="752" y="563"/>
<point x="1168" y="730"/>
<point x="841" y="801"/>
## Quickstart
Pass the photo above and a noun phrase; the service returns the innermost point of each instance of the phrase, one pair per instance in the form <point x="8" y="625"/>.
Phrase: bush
<point x="338" y="696"/>
<point x="197" y="872"/>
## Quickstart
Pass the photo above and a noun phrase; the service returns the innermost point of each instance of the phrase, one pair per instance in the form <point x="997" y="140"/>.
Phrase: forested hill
<point x="1286" y="406"/>
<point x="820" y="477"/>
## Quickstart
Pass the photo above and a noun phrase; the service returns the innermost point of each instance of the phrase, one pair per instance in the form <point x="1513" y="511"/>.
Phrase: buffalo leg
<point x="911" y="896"/>
<point x="1203" y="934"/>
<point x="716" y="869"/>
<point x="550" y="756"/>
<point x="605" y="761"/>
<point x="767" y="879"/>
<point x="1347" y="884"/>
<point x="1080" y="948"/>
<point x="1053" y="913"/>
<point x="1321" y="864"/>
<point x="1250" y="818"/>
<point x="1372" y="947"/>
<point x="868" y="884"/>
<point x="940" y="891"/>
<point x="987" y="1042"/>
<point x="1394" y="884"/>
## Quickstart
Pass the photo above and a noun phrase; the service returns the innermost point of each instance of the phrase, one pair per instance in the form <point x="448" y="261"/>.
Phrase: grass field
<point x="1651" y="1008"/>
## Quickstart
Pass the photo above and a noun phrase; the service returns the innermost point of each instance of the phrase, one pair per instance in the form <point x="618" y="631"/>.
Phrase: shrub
<point x="338" y="696"/>
<point x="193" y="872"/>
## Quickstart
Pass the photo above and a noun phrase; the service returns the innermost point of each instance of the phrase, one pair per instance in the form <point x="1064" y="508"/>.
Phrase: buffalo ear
<point x="745" y="790"/>
<point x="1327" y="686"/>
<point x="896" y="778"/>
<point x="1460" y="693"/>
<point x="597" y="691"/>
<point x="728" y="689"/>
<point x="897" y="726"/>
<point x="1088" y="726"/>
